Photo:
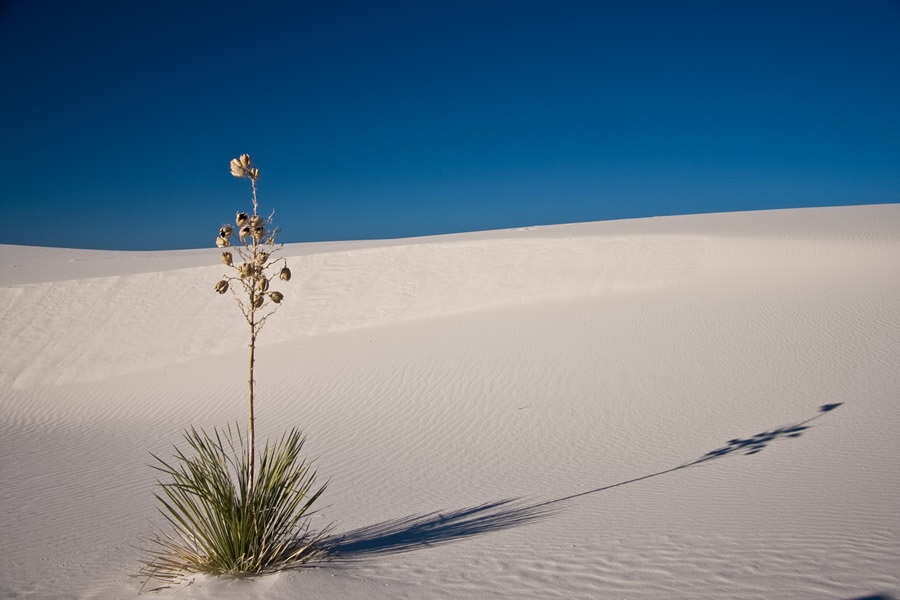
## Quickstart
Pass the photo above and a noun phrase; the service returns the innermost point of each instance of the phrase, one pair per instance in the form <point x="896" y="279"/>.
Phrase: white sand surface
<point x="627" y="409"/>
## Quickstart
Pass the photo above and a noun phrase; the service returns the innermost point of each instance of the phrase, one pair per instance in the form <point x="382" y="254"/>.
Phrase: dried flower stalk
<point x="254" y="268"/>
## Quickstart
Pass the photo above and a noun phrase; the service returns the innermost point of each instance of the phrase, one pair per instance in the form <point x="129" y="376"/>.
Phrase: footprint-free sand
<point x="702" y="406"/>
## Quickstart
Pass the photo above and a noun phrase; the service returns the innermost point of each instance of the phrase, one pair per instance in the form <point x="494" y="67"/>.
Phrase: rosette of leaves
<point x="220" y="524"/>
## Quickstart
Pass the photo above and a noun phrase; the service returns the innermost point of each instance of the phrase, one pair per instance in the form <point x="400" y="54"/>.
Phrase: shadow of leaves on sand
<point x="416" y="532"/>
<point x="423" y="531"/>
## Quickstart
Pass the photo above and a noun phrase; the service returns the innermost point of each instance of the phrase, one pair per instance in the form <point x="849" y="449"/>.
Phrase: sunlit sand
<point x="703" y="406"/>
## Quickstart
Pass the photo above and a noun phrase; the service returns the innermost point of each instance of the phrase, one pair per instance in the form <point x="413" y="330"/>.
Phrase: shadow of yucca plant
<point x="228" y="514"/>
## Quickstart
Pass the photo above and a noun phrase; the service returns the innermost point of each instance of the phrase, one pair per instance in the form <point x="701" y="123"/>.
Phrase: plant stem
<point x="251" y="452"/>
<point x="255" y="201"/>
<point x="250" y="429"/>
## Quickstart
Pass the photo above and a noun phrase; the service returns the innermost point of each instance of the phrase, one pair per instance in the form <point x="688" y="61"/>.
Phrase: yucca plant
<point x="227" y="515"/>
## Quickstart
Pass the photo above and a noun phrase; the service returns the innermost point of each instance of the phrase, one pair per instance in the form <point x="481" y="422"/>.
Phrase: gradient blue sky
<point x="392" y="119"/>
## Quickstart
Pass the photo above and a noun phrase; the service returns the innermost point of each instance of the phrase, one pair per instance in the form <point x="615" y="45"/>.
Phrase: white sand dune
<point x="628" y="409"/>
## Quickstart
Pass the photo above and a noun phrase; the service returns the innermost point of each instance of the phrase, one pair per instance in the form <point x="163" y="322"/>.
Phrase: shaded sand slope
<point x="681" y="407"/>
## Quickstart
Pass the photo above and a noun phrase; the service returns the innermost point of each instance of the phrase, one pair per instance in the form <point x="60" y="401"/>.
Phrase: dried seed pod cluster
<point x="242" y="167"/>
<point x="255" y="248"/>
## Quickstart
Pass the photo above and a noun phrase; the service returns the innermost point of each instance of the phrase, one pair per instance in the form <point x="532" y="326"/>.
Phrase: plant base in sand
<point x="221" y="522"/>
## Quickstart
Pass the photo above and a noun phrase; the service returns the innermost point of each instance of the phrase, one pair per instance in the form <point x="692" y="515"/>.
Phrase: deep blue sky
<point x="391" y="119"/>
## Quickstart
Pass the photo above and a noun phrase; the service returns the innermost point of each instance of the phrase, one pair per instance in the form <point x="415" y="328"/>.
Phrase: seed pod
<point x="259" y="301"/>
<point x="262" y="284"/>
<point x="222" y="287"/>
<point x="226" y="231"/>
<point x="222" y="242"/>
<point x="257" y="233"/>
<point x="262" y="257"/>
<point x="226" y="258"/>
<point x="256" y="221"/>
<point x="241" y="219"/>
<point x="244" y="232"/>
<point x="237" y="169"/>
<point x="254" y="173"/>
<point x="245" y="161"/>
<point x="276" y="297"/>
<point x="285" y="274"/>
<point x="244" y="270"/>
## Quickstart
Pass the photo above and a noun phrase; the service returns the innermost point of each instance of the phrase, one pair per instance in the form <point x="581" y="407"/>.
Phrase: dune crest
<point x="91" y="329"/>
